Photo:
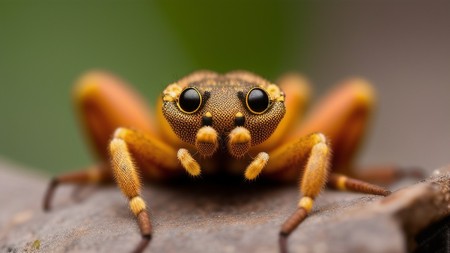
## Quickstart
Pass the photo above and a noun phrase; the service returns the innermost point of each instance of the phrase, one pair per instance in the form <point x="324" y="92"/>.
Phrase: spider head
<point x="229" y="112"/>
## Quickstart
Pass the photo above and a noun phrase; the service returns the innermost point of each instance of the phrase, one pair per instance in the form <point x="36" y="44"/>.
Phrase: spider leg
<point x="129" y="150"/>
<point x="310" y="156"/>
<point x="93" y="175"/>
<point x="343" y="116"/>
<point x="104" y="103"/>
<point x="315" y="151"/>
<point x="344" y="183"/>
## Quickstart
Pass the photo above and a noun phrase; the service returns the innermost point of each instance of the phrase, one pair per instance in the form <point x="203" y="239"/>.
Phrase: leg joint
<point x="319" y="138"/>
<point x="119" y="133"/>
<point x="306" y="203"/>
<point x="137" y="204"/>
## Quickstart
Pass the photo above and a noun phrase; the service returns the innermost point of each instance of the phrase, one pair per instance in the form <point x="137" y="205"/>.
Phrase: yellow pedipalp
<point x="256" y="166"/>
<point x="188" y="162"/>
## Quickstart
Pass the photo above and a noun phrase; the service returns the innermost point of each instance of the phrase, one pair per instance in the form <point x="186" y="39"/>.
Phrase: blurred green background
<point x="401" y="46"/>
<point x="46" y="45"/>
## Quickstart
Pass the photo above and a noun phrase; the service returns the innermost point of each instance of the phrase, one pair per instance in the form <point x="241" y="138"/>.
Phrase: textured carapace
<point x="224" y="106"/>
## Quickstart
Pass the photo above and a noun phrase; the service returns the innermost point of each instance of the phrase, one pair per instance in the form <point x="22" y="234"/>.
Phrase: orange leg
<point x="104" y="103"/>
<point x="344" y="183"/>
<point x="343" y="117"/>
<point x="94" y="175"/>
<point x="310" y="156"/>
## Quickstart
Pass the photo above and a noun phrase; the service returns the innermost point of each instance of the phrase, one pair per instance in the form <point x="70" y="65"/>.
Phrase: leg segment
<point x="128" y="180"/>
<point x="188" y="162"/>
<point x="314" y="177"/>
<point x="345" y="183"/>
<point x="343" y="117"/>
<point x="129" y="148"/>
<point x="95" y="174"/>
<point x="104" y="103"/>
<point x="154" y="158"/>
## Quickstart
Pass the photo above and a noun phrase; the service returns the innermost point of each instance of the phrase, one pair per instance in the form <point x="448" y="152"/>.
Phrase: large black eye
<point x="190" y="100"/>
<point x="257" y="100"/>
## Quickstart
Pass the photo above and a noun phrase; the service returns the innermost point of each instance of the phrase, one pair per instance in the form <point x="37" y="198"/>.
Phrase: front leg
<point x="315" y="150"/>
<point x="124" y="144"/>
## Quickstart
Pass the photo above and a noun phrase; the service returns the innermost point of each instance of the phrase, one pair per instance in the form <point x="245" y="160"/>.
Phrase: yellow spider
<point x="237" y="123"/>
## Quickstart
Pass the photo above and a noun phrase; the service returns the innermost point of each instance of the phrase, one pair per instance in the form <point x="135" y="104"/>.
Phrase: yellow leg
<point x="343" y="117"/>
<point x="256" y="166"/>
<point x="127" y="178"/>
<point x="128" y="150"/>
<point x="315" y="150"/>
<point x="188" y="162"/>
<point x="154" y="158"/>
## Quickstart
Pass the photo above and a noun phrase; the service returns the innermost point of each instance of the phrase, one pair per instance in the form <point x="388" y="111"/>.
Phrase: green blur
<point x="46" y="45"/>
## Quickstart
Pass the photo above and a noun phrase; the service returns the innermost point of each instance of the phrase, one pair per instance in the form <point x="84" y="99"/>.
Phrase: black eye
<point x="257" y="100"/>
<point x="190" y="100"/>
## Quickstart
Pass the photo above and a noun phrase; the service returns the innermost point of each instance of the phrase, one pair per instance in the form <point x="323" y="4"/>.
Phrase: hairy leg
<point x="344" y="183"/>
<point x="310" y="158"/>
<point x="93" y="175"/>
<point x="132" y="151"/>
<point x="343" y="116"/>
<point x="315" y="150"/>
<point x="104" y="103"/>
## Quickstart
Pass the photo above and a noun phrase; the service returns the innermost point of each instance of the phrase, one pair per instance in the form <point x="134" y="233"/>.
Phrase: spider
<point x="236" y="123"/>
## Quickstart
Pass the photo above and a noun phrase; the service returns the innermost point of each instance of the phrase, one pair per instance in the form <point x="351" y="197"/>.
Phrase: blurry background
<point x="403" y="47"/>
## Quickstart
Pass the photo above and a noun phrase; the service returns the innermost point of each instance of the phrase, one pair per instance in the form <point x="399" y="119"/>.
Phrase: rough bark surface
<point x="239" y="217"/>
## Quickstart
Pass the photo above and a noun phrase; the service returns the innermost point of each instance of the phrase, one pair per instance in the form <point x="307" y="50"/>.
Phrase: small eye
<point x="190" y="100"/>
<point x="257" y="100"/>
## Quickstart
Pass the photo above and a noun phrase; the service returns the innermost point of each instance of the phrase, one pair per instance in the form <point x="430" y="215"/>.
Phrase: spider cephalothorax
<point x="224" y="111"/>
